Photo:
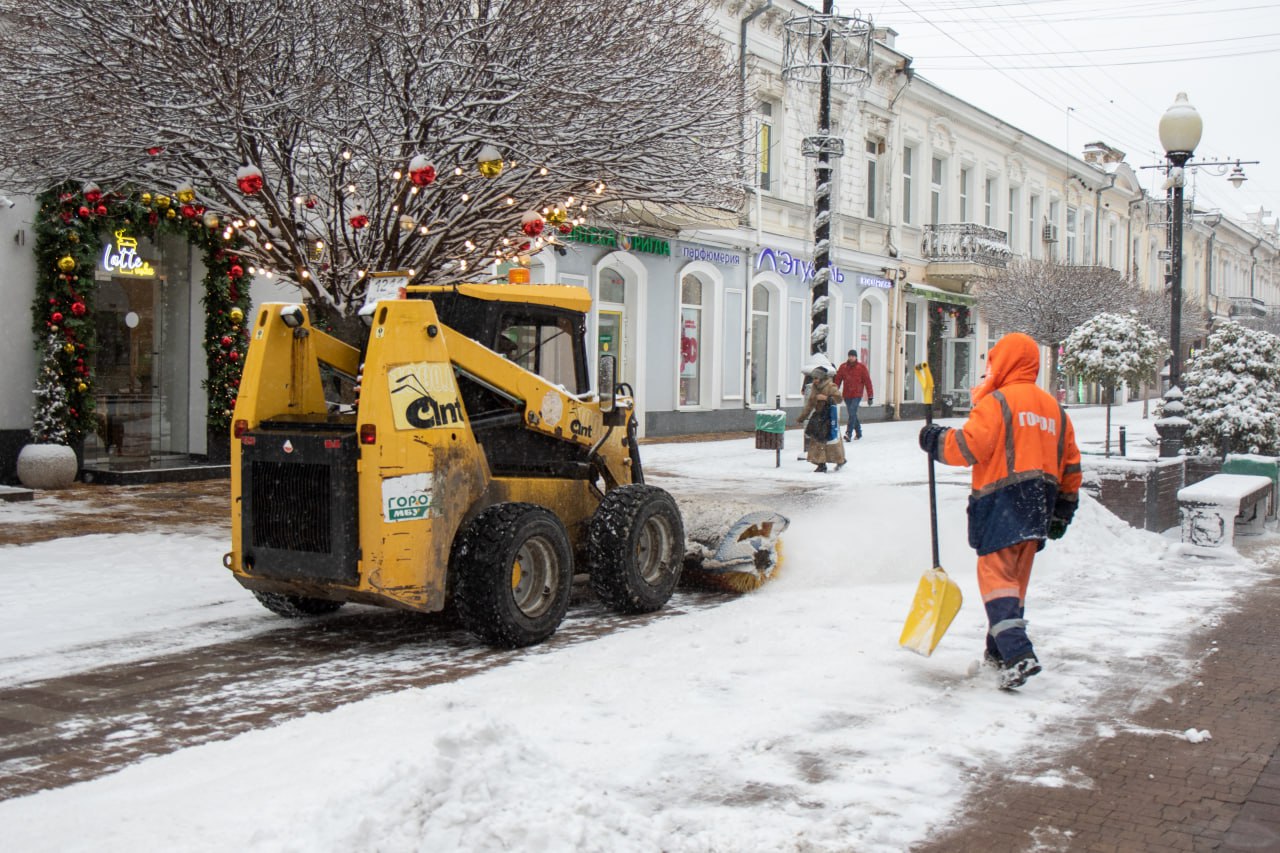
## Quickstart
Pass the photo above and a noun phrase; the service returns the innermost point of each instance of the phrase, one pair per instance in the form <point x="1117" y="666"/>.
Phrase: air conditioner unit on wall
<point x="1050" y="232"/>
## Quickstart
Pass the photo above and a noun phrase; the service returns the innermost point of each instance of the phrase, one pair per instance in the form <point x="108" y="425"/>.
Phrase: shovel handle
<point x="925" y="375"/>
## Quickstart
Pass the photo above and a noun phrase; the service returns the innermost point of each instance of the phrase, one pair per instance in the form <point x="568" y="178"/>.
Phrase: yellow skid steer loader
<point x="471" y="466"/>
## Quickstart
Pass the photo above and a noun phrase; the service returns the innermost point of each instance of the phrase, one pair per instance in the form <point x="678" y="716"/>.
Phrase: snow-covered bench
<point x="1213" y="508"/>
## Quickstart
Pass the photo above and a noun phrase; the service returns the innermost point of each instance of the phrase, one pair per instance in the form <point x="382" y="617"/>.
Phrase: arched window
<point x="691" y="339"/>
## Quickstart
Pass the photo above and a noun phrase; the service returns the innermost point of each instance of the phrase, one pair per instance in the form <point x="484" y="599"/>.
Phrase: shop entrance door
<point x="609" y="322"/>
<point x="959" y="371"/>
<point x="126" y="371"/>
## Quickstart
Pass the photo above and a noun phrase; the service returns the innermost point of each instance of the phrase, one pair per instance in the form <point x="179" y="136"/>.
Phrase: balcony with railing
<point x="964" y="251"/>
<point x="1246" y="306"/>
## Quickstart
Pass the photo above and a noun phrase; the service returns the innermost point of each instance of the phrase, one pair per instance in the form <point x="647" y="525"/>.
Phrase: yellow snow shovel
<point x="937" y="598"/>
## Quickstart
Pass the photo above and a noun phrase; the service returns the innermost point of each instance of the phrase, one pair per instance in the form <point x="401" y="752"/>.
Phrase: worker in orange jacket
<point x="1026" y="483"/>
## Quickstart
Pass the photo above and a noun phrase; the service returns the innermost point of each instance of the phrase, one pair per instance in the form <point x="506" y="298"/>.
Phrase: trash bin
<point x="770" y="426"/>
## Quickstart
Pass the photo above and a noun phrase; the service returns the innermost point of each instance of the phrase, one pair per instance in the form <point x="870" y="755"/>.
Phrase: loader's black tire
<point x="296" y="606"/>
<point x="635" y="546"/>
<point x="513" y="570"/>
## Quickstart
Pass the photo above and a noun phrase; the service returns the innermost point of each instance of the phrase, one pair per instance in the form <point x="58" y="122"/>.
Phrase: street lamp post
<point x="1180" y="129"/>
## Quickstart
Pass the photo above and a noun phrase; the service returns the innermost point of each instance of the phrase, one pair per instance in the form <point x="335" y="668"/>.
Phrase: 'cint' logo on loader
<point x="432" y="395"/>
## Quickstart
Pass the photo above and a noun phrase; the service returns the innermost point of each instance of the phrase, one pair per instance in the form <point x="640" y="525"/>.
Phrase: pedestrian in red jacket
<point x="854" y="381"/>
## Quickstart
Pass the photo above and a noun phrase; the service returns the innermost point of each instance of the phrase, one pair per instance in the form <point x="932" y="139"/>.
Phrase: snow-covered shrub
<point x="1113" y="348"/>
<point x="1232" y="390"/>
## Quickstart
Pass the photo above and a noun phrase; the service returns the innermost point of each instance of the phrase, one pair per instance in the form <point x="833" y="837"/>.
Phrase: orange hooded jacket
<point x="1022" y="447"/>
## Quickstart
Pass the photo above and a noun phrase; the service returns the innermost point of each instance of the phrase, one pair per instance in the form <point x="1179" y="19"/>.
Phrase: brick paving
<point x="1147" y="790"/>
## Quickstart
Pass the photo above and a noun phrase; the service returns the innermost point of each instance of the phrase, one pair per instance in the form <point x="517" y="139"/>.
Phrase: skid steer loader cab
<point x="461" y="459"/>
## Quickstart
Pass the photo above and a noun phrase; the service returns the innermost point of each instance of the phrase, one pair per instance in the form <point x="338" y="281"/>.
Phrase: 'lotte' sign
<point x="121" y="258"/>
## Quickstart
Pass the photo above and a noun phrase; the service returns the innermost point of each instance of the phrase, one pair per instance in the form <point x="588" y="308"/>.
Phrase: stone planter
<point x="47" y="466"/>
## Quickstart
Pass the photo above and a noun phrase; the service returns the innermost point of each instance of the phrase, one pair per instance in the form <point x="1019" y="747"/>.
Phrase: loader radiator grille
<point x="291" y="503"/>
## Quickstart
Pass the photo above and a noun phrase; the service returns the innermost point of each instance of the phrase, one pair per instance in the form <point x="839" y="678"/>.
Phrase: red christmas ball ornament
<point x="188" y="211"/>
<point x="57" y="317"/>
<point x="226" y="340"/>
<point x="52" y="301"/>
<point x="532" y="223"/>
<point x="66" y="217"/>
<point x="92" y="193"/>
<point x="233" y="355"/>
<point x="235" y="271"/>
<point x="65" y="197"/>
<point x="84" y="212"/>
<point x="74" y="413"/>
<point x="359" y="220"/>
<point x="565" y="228"/>
<point x="153" y="217"/>
<point x="78" y="308"/>
<point x="249" y="179"/>
<point x="155" y="150"/>
<point x="101" y="210"/>
<point x="421" y="171"/>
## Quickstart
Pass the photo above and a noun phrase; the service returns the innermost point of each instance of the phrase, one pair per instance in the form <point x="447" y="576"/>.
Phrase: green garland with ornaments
<point x="70" y="228"/>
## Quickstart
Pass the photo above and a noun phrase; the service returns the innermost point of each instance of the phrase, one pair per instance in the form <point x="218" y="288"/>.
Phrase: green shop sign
<point x="604" y="237"/>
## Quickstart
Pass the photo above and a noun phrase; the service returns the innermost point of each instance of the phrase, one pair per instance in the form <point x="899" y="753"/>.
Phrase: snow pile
<point x="784" y="720"/>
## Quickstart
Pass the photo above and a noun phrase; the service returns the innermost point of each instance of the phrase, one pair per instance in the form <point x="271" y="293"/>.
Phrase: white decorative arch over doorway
<point x="622" y="317"/>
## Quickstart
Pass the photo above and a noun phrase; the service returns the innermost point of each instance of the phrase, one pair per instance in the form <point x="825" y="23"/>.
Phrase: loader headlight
<point x="292" y="316"/>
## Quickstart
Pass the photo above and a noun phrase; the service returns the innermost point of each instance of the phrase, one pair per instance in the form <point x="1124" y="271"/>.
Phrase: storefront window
<point x="910" y="346"/>
<point x="690" y="341"/>
<point x="613" y="287"/>
<point x="759" y="343"/>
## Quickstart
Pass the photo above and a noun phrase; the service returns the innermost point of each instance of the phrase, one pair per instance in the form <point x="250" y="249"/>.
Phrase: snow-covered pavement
<point x="784" y="720"/>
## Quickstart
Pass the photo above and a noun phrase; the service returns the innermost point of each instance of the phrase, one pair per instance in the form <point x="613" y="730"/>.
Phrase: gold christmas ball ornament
<point x="82" y="387"/>
<point x="162" y="201"/>
<point x="211" y="220"/>
<point x="490" y="162"/>
<point x="236" y="315"/>
<point x="186" y="194"/>
<point x="145" y="198"/>
<point x="68" y="348"/>
<point x="171" y="214"/>
<point x="66" y="263"/>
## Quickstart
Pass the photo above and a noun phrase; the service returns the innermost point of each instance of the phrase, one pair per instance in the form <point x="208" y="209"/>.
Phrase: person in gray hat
<point x="822" y="411"/>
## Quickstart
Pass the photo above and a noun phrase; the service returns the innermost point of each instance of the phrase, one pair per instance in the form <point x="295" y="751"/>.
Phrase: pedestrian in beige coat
<point x="822" y="404"/>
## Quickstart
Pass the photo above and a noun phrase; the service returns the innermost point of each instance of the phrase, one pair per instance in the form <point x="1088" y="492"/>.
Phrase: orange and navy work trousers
<point x="1002" y="579"/>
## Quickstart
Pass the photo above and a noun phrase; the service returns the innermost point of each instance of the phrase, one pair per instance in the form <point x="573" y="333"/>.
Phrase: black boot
<point x="821" y="469"/>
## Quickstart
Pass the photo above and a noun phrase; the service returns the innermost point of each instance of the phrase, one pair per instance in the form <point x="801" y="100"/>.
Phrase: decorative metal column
<point x="830" y="50"/>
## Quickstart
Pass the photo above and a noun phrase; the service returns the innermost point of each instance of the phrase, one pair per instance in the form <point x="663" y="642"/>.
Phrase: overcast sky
<point x="1074" y="71"/>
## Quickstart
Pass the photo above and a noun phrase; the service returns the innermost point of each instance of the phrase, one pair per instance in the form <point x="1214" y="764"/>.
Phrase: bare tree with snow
<point x="1048" y="301"/>
<point x="344" y="138"/>
<point x="1112" y="348"/>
